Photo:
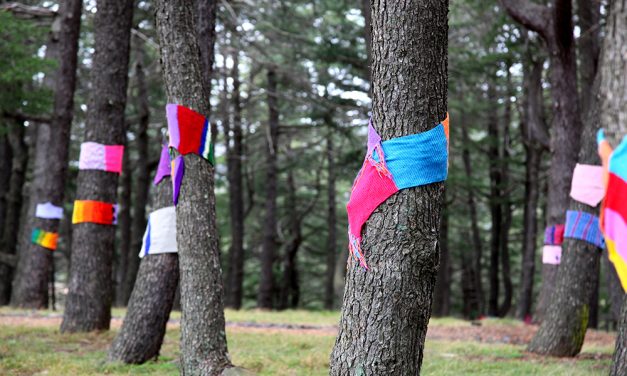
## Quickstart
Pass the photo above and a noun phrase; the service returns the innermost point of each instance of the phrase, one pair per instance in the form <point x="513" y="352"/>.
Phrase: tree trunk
<point x="555" y="26"/>
<point x="496" y="209"/>
<point x="534" y="136"/>
<point x="367" y="12"/>
<point x="331" y="225"/>
<point x="124" y="226"/>
<point x="51" y="159"/>
<point x="6" y="270"/>
<point x="614" y="289"/>
<point x="141" y="174"/>
<point x="203" y="337"/>
<point x="88" y="305"/>
<point x="266" y="282"/>
<point x="386" y="308"/>
<point x="150" y="304"/>
<point x="236" y="196"/>
<point x="473" y="288"/>
<point x="442" y="293"/>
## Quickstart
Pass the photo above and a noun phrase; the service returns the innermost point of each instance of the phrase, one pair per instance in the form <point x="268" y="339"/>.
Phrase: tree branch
<point x="20" y="116"/>
<point x="533" y="16"/>
<point x="28" y="12"/>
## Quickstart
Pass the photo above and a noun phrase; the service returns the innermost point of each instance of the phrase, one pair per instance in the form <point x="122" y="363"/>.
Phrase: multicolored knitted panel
<point x="164" y="169"/>
<point x="94" y="212"/>
<point x="584" y="226"/>
<point x="178" y="170"/>
<point x="614" y="209"/>
<point x="160" y="235"/>
<point x="45" y="239"/>
<point x="95" y="156"/>
<point x="390" y="166"/>
<point x="554" y="235"/>
<point x="189" y="131"/>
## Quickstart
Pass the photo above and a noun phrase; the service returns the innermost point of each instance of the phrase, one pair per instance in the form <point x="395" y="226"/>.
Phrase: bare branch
<point x="28" y="12"/>
<point x="534" y="17"/>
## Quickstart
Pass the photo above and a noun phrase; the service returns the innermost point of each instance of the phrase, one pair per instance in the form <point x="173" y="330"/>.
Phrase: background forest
<point x="317" y="52"/>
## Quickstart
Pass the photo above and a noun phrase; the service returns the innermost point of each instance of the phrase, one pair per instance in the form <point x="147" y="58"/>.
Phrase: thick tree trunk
<point x="150" y="304"/>
<point x="496" y="209"/>
<point x="236" y="197"/>
<point x="51" y="159"/>
<point x="124" y="227"/>
<point x="266" y="282"/>
<point x="442" y="293"/>
<point x="386" y="308"/>
<point x="203" y="337"/>
<point x="331" y="225"/>
<point x="533" y="129"/>
<point x="555" y="26"/>
<point x="471" y="266"/>
<point x="88" y="305"/>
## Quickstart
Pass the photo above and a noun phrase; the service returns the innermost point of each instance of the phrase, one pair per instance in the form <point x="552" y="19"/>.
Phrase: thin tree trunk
<point x="496" y="209"/>
<point x="88" y="304"/>
<point x="614" y="290"/>
<point x="150" y="304"/>
<point x="533" y="129"/>
<point x="124" y="226"/>
<point x="367" y="12"/>
<point x="392" y="299"/>
<point x="6" y="270"/>
<point x="331" y="225"/>
<point x="51" y="159"/>
<point x="442" y="293"/>
<point x="236" y="196"/>
<point x="266" y="282"/>
<point x="203" y="338"/>
<point x="555" y="25"/>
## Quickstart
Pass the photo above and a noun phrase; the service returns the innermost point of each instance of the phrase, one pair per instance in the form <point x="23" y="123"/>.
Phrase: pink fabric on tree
<point x="587" y="186"/>
<point x="552" y="254"/>
<point x="95" y="156"/>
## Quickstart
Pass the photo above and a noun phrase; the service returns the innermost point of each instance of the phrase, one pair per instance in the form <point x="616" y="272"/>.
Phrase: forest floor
<point x="289" y="343"/>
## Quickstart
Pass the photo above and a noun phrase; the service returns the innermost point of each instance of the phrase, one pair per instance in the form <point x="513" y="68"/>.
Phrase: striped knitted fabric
<point x="390" y="166"/>
<point x="45" y="239"/>
<point x="554" y="235"/>
<point x="584" y="226"/>
<point x="614" y="209"/>
<point x="91" y="211"/>
<point x="189" y="131"/>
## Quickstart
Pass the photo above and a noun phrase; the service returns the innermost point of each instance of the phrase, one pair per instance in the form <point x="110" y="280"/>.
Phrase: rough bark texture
<point x="555" y="26"/>
<point x="613" y="98"/>
<point x="331" y="225"/>
<point x="51" y="159"/>
<point x="614" y="290"/>
<point x="534" y="131"/>
<point x="266" y="281"/>
<point x="88" y="305"/>
<point x="143" y="329"/>
<point x="203" y="337"/>
<point x="236" y="196"/>
<point x="442" y="293"/>
<point x="124" y="227"/>
<point x="386" y="308"/>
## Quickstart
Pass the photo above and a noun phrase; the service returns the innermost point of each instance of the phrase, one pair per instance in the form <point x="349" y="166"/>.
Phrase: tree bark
<point x="614" y="290"/>
<point x="555" y="26"/>
<point x="88" y="305"/>
<point x="442" y="293"/>
<point x="386" y="308"/>
<point x="203" y="337"/>
<point x="534" y="132"/>
<point x="266" y="282"/>
<point x="124" y="226"/>
<point x="331" y="225"/>
<point x="150" y="304"/>
<point x="236" y="196"/>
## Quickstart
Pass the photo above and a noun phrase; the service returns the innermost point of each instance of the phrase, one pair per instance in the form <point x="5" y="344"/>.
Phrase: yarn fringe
<point x="380" y="165"/>
<point x="354" y="246"/>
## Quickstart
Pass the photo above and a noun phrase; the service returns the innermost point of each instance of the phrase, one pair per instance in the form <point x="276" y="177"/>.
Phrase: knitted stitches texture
<point x="95" y="156"/>
<point x="584" y="226"/>
<point x="94" y="212"/>
<point x="554" y="235"/>
<point x="390" y="166"/>
<point x="45" y="239"/>
<point x="189" y="131"/>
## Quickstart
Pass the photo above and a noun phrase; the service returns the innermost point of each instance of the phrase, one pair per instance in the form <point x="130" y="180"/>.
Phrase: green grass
<point x="29" y="351"/>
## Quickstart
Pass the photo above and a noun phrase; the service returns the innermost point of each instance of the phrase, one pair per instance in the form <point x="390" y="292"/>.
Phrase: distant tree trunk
<point x="392" y="299"/>
<point x="6" y="270"/>
<point x="88" y="304"/>
<point x="266" y="282"/>
<point x="471" y="267"/>
<point x="203" y="337"/>
<point x="367" y="12"/>
<point x="555" y="25"/>
<point x="236" y="197"/>
<point x="51" y="159"/>
<point x="150" y="304"/>
<point x="496" y="209"/>
<point x="534" y="137"/>
<point x="331" y="225"/>
<point x="124" y="226"/>
<point x="141" y="174"/>
<point x="442" y="293"/>
<point x="13" y="214"/>
<point x="613" y="108"/>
